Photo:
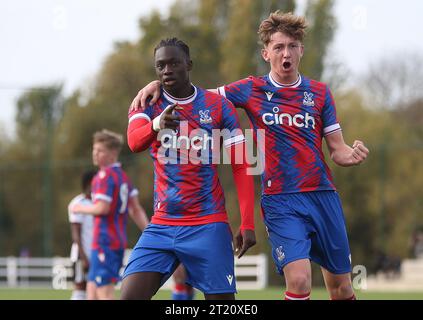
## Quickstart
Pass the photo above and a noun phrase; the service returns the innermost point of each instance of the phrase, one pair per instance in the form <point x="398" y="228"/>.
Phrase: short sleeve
<point x="330" y="121"/>
<point x="103" y="186"/>
<point x="237" y="92"/>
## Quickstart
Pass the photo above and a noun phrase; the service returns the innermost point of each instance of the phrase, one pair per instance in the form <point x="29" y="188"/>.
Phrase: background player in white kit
<point x="82" y="235"/>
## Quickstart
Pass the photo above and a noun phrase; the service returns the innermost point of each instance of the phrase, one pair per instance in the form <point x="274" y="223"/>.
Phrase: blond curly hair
<point x="287" y="23"/>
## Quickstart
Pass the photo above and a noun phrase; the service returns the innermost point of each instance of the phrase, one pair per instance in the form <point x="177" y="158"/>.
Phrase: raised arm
<point x="142" y="130"/>
<point x="344" y="155"/>
<point x="140" y="134"/>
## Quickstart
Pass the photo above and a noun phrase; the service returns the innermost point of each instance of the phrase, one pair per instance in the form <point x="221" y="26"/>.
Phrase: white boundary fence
<point x="251" y="272"/>
<point x="54" y="272"/>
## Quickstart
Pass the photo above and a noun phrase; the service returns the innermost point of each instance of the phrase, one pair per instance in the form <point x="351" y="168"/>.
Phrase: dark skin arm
<point x="76" y="238"/>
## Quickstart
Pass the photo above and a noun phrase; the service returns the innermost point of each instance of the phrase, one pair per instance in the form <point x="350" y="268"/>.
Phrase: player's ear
<point x="265" y="54"/>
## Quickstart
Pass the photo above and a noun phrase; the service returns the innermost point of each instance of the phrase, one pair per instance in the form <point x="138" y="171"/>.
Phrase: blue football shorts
<point x="307" y="225"/>
<point x="205" y="251"/>
<point x="105" y="265"/>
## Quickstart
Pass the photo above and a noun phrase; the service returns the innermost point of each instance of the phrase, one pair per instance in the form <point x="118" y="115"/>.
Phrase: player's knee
<point x="342" y="291"/>
<point x="299" y="283"/>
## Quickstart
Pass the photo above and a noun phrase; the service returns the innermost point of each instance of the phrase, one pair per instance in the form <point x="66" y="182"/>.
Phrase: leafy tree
<point x="390" y="91"/>
<point x="28" y="164"/>
<point x="321" y="28"/>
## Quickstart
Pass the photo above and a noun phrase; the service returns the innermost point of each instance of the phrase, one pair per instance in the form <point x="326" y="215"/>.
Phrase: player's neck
<point x="285" y="79"/>
<point x="108" y="164"/>
<point x="181" y="93"/>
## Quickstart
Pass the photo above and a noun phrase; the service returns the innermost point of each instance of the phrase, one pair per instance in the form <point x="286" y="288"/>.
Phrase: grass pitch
<point x="267" y="294"/>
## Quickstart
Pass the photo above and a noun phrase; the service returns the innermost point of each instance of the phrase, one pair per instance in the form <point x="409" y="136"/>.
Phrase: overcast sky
<point x="46" y="41"/>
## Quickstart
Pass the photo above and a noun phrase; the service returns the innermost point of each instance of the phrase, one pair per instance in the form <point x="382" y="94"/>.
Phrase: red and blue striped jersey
<point x="111" y="184"/>
<point x="295" y="119"/>
<point x="187" y="190"/>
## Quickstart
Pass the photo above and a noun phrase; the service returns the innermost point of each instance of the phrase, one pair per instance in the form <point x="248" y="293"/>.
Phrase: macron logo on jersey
<point x="269" y="95"/>
<point x="297" y="120"/>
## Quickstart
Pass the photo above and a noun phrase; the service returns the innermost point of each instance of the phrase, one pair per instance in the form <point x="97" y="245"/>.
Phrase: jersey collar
<point x="186" y="100"/>
<point x="113" y="165"/>
<point x="295" y="84"/>
<point x="116" y="164"/>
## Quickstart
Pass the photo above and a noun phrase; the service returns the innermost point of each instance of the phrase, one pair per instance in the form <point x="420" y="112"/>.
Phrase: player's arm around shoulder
<point x="99" y="207"/>
<point x="141" y="99"/>
<point x="101" y="200"/>
<point x="343" y="154"/>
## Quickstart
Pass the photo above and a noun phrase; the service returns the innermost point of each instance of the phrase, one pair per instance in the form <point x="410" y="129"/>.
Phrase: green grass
<point x="267" y="294"/>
